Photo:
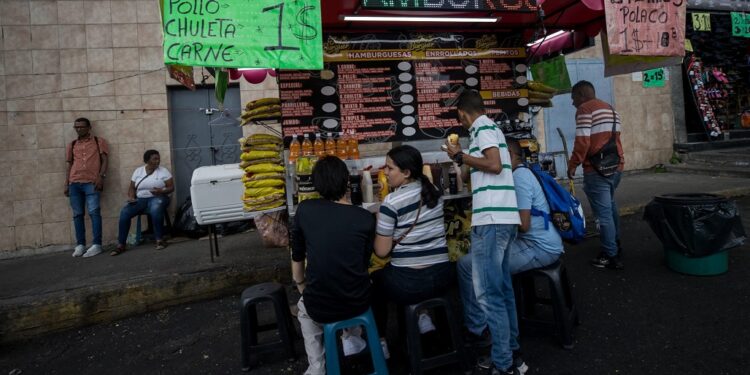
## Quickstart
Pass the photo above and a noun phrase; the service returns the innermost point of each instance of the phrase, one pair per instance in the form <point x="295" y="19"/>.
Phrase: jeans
<point x="490" y="249"/>
<point x="406" y="286"/>
<point x="82" y="196"/>
<point x="522" y="257"/>
<point x="312" y="335"/>
<point x="601" y="193"/>
<point x="153" y="206"/>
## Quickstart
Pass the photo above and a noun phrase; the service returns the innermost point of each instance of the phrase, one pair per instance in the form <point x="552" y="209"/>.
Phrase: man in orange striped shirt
<point x="595" y="122"/>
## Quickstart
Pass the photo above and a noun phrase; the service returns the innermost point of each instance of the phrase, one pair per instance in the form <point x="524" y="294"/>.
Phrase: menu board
<point x="402" y="87"/>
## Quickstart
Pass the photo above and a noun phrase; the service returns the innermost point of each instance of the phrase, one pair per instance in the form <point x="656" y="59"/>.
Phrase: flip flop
<point x="119" y="250"/>
<point x="161" y="245"/>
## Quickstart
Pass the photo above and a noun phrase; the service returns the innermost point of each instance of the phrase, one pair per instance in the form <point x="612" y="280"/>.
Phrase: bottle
<point x="459" y="178"/>
<point x="437" y="175"/>
<point x="305" y="188"/>
<point x="318" y="147"/>
<point x="452" y="180"/>
<point x="330" y="145"/>
<point x="341" y="146"/>
<point x="367" y="186"/>
<point x="294" y="148"/>
<point x="355" y="187"/>
<point x="307" y="147"/>
<point x="353" y="146"/>
<point x="427" y="172"/>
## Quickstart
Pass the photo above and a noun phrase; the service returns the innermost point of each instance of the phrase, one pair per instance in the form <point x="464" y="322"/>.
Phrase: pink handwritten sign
<point x="646" y="27"/>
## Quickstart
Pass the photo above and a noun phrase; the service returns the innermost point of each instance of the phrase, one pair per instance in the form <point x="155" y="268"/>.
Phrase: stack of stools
<point x="330" y="337"/>
<point x="250" y="328"/>
<point x="561" y="300"/>
<point x="414" y="344"/>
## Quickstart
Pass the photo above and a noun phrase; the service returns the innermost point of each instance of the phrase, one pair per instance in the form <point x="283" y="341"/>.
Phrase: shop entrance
<point x="562" y="113"/>
<point x="200" y="136"/>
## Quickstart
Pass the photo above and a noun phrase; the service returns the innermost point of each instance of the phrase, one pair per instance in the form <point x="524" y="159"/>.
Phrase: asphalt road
<point x="643" y="320"/>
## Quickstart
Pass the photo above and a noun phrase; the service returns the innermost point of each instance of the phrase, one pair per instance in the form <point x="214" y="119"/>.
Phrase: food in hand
<point x="453" y="139"/>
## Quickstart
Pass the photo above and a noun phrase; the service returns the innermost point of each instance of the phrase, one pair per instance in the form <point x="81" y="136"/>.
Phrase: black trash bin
<point x="696" y="231"/>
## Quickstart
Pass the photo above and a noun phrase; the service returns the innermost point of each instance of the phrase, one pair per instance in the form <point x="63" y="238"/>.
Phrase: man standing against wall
<point x="493" y="226"/>
<point x="87" y="168"/>
<point x="597" y="123"/>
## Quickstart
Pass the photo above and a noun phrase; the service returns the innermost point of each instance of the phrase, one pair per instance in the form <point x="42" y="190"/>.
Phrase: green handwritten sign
<point x="740" y="24"/>
<point x="701" y="21"/>
<point x="284" y="34"/>
<point x="654" y="78"/>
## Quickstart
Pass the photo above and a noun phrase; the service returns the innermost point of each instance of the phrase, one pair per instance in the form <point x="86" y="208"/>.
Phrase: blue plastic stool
<point x="373" y="341"/>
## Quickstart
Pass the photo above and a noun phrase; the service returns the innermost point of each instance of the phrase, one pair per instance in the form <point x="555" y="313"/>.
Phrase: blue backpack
<point x="566" y="212"/>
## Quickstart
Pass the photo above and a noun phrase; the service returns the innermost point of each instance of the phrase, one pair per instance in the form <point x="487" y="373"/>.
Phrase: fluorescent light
<point x="548" y="37"/>
<point x="418" y="19"/>
<point x="244" y="69"/>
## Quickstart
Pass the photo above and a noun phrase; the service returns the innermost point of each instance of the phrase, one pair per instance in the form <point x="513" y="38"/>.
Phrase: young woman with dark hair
<point x="410" y="229"/>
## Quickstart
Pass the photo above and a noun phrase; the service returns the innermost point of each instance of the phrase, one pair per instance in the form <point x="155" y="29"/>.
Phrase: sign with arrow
<point x="283" y="34"/>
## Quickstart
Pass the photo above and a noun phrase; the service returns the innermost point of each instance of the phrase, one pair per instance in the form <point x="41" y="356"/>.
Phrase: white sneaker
<point x="352" y="345"/>
<point x="384" y="345"/>
<point x="79" y="250"/>
<point x="93" y="250"/>
<point x="425" y="324"/>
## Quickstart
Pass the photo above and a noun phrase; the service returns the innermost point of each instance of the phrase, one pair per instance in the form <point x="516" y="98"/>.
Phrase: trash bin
<point x="696" y="231"/>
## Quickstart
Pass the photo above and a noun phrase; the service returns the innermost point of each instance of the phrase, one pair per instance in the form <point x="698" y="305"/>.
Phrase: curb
<point x="30" y="316"/>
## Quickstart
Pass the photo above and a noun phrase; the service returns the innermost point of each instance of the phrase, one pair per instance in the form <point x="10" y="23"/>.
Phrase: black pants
<point x="406" y="286"/>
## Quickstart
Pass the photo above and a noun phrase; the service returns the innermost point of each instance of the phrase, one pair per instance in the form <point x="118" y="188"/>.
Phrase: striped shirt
<point x="494" y="196"/>
<point x="593" y="129"/>
<point x="425" y="244"/>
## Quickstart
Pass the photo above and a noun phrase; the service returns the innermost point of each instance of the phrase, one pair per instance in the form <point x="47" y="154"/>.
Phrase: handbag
<point x="606" y="161"/>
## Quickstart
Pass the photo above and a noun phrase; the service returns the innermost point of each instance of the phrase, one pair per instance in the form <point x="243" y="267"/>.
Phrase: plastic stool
<point x="249" y="326"/>
<point x="414" y="344"/>
<point x="330" y="338"/>
<point x="561" y="299"/>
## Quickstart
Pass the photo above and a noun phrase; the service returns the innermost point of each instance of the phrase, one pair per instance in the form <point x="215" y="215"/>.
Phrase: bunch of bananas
<point x="540" y="94"/>
<point x="264" y="172"/>
<point x="266" y="108"/>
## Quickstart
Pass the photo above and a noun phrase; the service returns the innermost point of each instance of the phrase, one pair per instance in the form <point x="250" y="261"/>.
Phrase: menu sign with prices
<point x="388" y="88"/>
<point x="646" y="28"/>
<point x="464" y="5"/>
<point x="284" y="34"/>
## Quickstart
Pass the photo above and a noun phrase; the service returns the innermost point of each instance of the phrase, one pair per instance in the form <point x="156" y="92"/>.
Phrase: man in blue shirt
<point x="533" y="247"/>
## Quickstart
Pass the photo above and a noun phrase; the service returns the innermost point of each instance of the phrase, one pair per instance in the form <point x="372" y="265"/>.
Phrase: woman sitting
<point x="148" y="193"/>
<point x="410" y="229"/>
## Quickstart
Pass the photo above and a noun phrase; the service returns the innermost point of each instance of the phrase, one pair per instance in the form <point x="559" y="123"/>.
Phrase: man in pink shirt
<point x="87" y="168"/>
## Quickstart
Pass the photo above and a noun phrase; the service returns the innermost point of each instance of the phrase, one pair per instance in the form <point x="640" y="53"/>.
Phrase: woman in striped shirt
<point x="410" y="229"/>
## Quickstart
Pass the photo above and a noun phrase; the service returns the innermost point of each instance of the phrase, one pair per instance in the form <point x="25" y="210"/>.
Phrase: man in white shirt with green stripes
<point x="493" y="226"/>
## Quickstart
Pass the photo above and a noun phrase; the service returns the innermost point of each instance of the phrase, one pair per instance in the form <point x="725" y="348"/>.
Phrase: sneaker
<point x="352" y="345"/>
<point x="605" y="261"/>
<point x="79" y="250"/>
<point x="425" y="324"/>
<point x="482" y="341"/>
<point x="93" y="250"/>
<point x="386" y="352"/>
<point x="511" y="371"/>
<point x="518" y="362"/>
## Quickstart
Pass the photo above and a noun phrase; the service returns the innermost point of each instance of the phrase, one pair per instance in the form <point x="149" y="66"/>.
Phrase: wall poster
<point x="400" y="87"/>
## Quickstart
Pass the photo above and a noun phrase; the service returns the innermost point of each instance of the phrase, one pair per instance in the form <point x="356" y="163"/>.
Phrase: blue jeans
<point x="601" y="193"/>
<point x="153" y="206"/>
<point x="83" y="196"/>
<point x="490" y="249"/>
<point x="522" y="257"/>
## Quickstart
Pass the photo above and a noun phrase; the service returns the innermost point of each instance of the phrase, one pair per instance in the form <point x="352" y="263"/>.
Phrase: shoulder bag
<point x="606" y="161"/>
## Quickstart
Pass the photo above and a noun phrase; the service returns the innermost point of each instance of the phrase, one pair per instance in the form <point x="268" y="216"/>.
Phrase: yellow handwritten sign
<point x="702" y="21"/>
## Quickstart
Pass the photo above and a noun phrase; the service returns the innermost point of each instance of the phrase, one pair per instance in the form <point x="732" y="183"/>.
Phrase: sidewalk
<point x="54" y="292"/>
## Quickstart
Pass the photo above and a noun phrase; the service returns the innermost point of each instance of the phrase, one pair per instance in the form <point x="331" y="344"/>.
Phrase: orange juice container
<point x="330" y="145"/>
<point x="353" y="146"/>
<point x="383" y="181"/>
<point x="318" y="147"/>
<point x="307" y="146"/>
<point x="341" y="147"/>
<point x="294" y="148"/>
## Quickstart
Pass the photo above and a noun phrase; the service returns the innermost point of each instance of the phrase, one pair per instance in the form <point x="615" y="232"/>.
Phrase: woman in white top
<point x="148" y="193"/>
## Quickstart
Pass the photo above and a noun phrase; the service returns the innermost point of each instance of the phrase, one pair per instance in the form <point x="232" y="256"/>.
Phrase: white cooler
<point x="216" y="193"/>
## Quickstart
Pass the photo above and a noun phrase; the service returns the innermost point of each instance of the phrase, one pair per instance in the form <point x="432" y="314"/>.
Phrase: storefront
<point x="716" y="73"/>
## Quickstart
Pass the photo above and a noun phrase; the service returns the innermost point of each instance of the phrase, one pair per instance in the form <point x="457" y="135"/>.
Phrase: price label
<point x="688" y="45"/>
<point x="740" y="24"/>
<point x="654" y="78"/>
<point x="284" y="34"/>
<point x="701" y="21"/>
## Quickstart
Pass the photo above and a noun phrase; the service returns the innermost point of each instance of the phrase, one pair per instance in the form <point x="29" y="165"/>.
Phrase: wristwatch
<point x="459" y="158"/>
<point x="103" y="175"/>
